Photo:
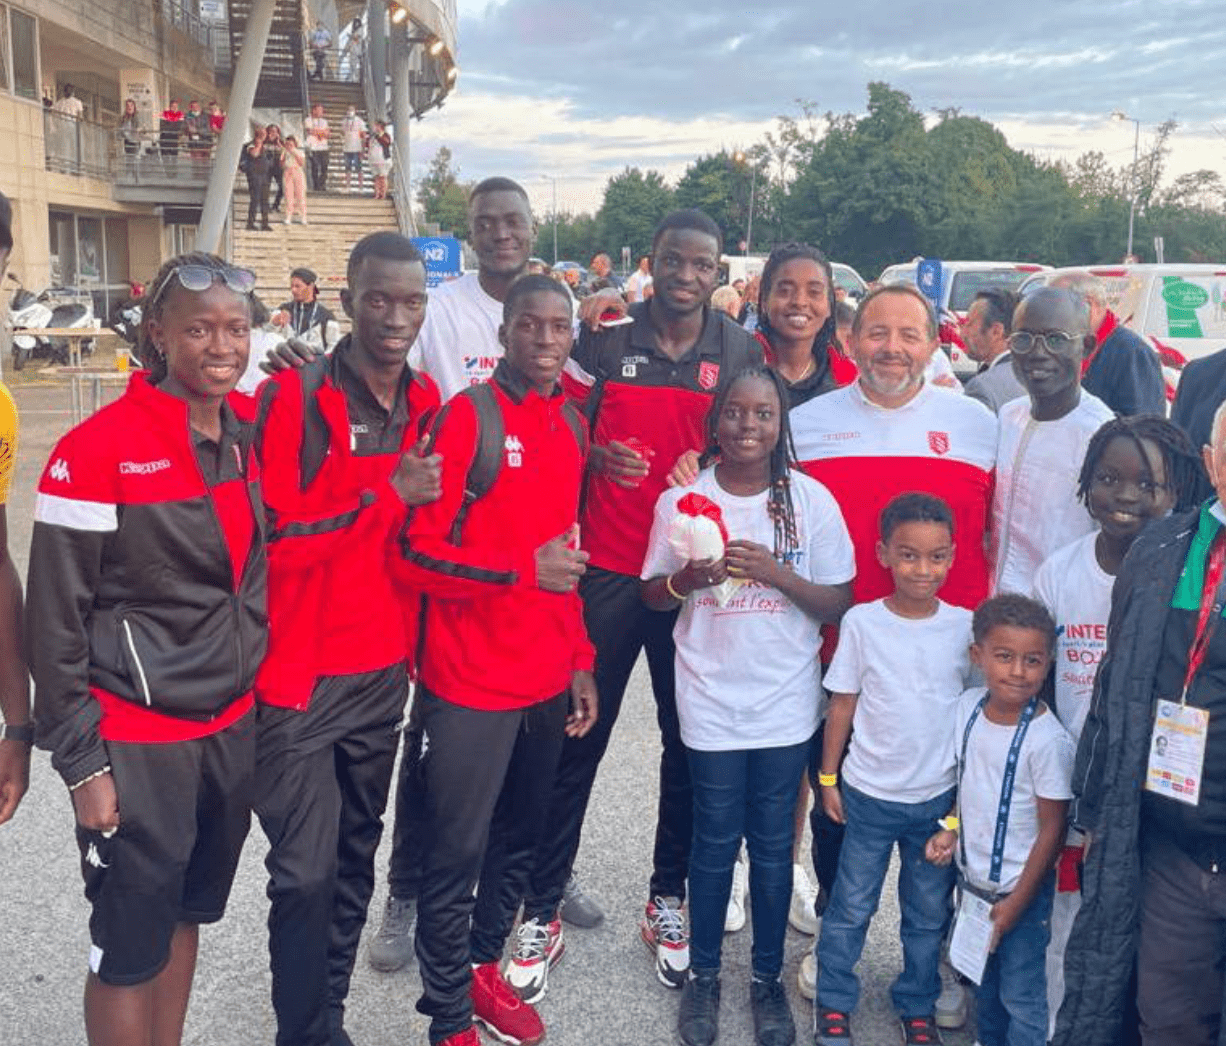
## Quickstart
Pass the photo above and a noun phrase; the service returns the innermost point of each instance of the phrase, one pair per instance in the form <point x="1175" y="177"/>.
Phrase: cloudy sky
<point x="578" y="90"/>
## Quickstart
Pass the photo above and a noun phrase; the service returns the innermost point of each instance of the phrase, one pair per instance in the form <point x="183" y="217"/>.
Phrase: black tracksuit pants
<point x="487" y="777"/>
<point x="827" y="841"/>
<point x="322" y="778"/>
<point x="257" y="198"/>
<point x="619" y="625"/>
<point x="408" y="833"/>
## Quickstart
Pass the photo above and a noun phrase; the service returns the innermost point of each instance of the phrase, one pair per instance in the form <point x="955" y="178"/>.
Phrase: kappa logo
<point x="92" y="857"/>
<point x="938" y="442"/>
<point x="515" y="451"/>
<point x="708" y="374"/>
<point x="630" y="365"/>
<point x="143" y="468"/>
<point x="59" y="470"/>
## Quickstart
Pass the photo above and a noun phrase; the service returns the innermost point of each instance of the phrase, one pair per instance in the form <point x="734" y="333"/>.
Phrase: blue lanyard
<point x="1006" y="785"/>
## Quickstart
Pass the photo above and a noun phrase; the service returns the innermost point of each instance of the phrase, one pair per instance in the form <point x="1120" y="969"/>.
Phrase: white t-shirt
<point x="72" y="107"/>
<point x="939" y="367"/>
<point x="458" y="343"/>
<point x="1077" y="591"/>
<point x="1044" y="771"/>
<point x="908" y="674"/>
<point x="314" y="141"/>
<point x="1035" y="510"/>
<point x="352" y="129"/>
<point x="747" y="672"/>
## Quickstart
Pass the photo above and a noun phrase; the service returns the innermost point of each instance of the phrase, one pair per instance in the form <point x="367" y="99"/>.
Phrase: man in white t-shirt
<point x="317" y="134"/>
<point x="69" y="104"/>
<point x="639" y="280"/>
<point x="353" y="138"/>
<point x="1043" y="439"/>
<point x="457" y="346"/>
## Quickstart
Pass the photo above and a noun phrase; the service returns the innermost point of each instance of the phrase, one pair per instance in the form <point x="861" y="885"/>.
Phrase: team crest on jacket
<point x="708" y="374"/>
<point x="939" y="442"/>
<point x="515" y="452"/>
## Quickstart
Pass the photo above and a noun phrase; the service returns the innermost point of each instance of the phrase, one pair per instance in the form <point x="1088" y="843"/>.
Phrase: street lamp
<point x="552" y="178"/>
<point x="1136" y="147"/>
<point x="740" y="157"/>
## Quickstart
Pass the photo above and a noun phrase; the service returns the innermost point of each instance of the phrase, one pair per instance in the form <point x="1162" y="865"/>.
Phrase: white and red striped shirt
<point x="939" y="443"/>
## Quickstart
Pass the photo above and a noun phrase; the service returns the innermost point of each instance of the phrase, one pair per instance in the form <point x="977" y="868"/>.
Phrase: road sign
<point x="928" y="279"/>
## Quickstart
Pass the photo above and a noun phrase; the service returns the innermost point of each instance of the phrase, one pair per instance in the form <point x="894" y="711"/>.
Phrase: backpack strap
<point x="573" y="417"/>
<point x="316" y="437"/>
<point x="487" y="457"/>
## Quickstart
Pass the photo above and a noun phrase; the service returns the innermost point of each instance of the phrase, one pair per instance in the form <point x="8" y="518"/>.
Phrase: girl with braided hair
<point x="1136" y="469"/>
<point x="748" y="686"/>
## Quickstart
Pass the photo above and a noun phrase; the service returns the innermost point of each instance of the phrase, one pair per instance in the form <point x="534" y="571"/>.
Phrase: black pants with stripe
<point x="619" y="625"/>
<point x="408" y="832"/>
<point x="322" y="778"/>
<point x="487" y="777"/>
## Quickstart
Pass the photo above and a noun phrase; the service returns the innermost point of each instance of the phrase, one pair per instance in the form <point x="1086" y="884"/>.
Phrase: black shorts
<point x="184" y="810"/>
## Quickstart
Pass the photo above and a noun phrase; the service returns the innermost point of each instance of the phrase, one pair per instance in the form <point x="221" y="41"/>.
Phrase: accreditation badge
<point x="1177" y="752"/>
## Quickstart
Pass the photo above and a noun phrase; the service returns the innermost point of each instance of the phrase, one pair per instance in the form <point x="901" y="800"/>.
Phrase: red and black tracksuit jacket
<point x="328" y="450"/>
<point x="635" y="394"/>
<point x="493" y="640"/>
<point x="145" y="614"/>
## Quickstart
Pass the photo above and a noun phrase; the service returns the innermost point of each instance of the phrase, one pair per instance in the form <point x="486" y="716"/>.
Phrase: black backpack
<point x="491" y="439"/>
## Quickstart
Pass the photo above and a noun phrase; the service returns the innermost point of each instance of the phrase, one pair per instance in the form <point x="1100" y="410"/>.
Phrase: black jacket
<point x="1202" y="389"/>
<point x="1126" y="375"/>
<point x="132" y="588"/>
<point x="1111" y="763"/>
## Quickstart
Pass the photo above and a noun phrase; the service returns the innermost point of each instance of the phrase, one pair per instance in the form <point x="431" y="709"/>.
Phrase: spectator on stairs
<point x="317" y="147"/>
<point x="380" y="151"/>
<point x="353" y="137"/>
<point x="293" y="164"/>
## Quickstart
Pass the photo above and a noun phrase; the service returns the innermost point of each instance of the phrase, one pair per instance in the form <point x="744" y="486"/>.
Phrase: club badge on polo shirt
<point x="515" y="452"/>
<point x="938" y="442"/>
<point x="708" y="375"/>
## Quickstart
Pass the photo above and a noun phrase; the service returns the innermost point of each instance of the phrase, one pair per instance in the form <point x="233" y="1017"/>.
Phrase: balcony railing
<point x="213" y="37"/>
<point x="75" y="146"/>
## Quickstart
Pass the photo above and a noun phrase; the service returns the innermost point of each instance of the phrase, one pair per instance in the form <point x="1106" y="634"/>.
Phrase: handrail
<point x="376" y="109"/>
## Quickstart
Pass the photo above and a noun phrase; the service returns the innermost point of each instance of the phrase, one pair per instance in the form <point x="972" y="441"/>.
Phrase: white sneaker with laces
<point x="538" y="948"/>
<point x="734" y="919"/>
<point x="664" y="931"/>
<point x="950" y="1010"/>
<point x="801" y="914"/>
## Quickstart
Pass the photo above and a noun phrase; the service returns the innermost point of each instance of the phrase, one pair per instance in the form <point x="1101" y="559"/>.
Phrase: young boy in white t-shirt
<point x="1015" y="767"/>
<point x="900" y="665"/>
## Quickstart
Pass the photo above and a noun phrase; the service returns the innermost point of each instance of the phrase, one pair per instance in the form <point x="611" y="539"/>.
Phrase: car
<point x="960" y="282"/>
<point x="850" y="281"/>
<point x="1179" y="308"/>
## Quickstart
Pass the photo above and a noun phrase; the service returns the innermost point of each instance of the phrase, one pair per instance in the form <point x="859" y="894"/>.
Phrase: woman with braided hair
<point x="747" y="720"/>
<point x="146" y="615"/>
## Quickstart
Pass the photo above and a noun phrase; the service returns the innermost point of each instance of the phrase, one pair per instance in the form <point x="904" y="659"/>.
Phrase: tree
<point x="577" y="239"/>
<point x="723" y="185"/>
<point x="633" y="205"/>
<point x="443" y="197"/>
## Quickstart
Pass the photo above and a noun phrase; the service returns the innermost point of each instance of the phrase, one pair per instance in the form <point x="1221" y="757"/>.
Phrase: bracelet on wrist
<point x="23" y="732"/>
<point x="827" y="780"/>
<point x="668" y="584"/>
<point x="86" y="780"/>
<point x="950" y="823"/>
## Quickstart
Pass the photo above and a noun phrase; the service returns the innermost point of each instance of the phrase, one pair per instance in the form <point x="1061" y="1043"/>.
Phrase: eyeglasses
<point x="197" y="278"/>
<point x="1023" y="343"/>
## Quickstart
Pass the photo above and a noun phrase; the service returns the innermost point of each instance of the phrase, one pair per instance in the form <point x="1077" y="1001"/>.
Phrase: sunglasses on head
<point x="197" y="278"/>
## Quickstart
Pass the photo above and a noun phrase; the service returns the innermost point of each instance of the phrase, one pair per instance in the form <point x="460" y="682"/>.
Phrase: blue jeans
<point x="924" y="893"/>
<point x="751" y="794"/>
<point x="1011" y="1003"/>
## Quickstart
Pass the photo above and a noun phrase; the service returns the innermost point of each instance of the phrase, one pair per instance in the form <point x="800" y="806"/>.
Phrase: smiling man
<point x="341" y="462"/>
<point x="1043" y="438"/>
<point x="647" y="387"/>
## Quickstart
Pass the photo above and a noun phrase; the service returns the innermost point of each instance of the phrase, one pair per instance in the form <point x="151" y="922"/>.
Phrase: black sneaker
<point x="921" y="1031"/>
<point x="831" y="1027"/>
<point x="772" y="1016"/>
<point x="698" y="1017"/>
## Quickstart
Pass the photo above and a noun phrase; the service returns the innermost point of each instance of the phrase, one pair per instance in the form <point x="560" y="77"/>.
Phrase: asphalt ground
<point x="603" y="993"/>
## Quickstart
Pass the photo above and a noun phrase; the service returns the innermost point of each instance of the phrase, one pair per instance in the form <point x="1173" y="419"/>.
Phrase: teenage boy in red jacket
<point x="500" y="575"/>
<point x="340" y="456"/>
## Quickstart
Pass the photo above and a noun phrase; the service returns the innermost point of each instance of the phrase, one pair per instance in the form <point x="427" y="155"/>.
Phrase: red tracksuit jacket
<point x="493" y="640"/>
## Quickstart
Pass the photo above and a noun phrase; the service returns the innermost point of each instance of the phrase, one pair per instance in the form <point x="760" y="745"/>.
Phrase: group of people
<point x="985" y="637"/>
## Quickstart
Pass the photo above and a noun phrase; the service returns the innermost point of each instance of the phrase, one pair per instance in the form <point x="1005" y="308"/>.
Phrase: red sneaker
<point x="467" y="1037"/>
<point x="503" y="1013"/>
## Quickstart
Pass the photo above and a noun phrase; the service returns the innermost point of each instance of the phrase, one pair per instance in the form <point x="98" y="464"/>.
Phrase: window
<point x="4" y="59"/>
<point x="25" y="55"/>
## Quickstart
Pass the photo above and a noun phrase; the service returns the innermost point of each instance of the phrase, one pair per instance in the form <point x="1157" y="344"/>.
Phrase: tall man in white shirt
<point x="1043" y="438"/>
<point x="353" y="137"/>
<point x="317" y="134"/>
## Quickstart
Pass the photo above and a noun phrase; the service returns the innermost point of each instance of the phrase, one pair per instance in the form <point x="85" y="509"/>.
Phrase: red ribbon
<point x="703" y="507"/>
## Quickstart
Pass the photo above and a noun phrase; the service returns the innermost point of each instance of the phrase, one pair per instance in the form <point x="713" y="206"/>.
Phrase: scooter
<point x="26" y="310"/>
<point x="71" y="309"/>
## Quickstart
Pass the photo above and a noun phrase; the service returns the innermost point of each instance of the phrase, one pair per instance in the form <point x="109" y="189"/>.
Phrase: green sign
<point x="1183" y="295"/>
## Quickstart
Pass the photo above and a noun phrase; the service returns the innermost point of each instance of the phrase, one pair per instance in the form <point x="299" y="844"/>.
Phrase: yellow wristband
<point x="950" y="823"/>
<point x="668" y="584"/>
<point x="827" y="780"/>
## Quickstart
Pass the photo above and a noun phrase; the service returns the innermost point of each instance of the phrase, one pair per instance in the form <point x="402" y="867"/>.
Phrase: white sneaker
<point x="950" y="1010"/>
<point x="664" y="931"/>
<point x="734" y="918"/>
<point x="806" y="977"/>
<point x="802" y="915"/>
<point x="287" y="219"/>
<point x="537" y="950"/>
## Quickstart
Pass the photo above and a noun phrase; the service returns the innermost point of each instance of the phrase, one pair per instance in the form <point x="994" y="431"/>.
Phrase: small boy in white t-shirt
<point x="1015" y="766"/>
<point x="900" y="665"/>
